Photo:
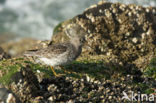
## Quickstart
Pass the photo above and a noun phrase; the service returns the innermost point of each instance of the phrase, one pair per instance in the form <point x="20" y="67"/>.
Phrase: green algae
<point x="77" y="69"/>
<point x="94" y="69"/>
<point x="10" y="70"/>
<point x="151" y="69"/>
<point x="11" y="66"/>
<point x="58" y="28"/>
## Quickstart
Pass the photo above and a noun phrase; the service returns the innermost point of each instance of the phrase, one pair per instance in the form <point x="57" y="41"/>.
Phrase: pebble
<point x="134" y="40"/>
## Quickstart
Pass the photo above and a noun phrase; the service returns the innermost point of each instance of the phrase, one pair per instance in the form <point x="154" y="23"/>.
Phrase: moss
<point x="151" y="72"/>
<point x="153" y="62"/>
<point x="1" y="67"/>
<point x="84" y="95"/>
<point x="44" y="69"/>
<point x="58" y="28"/>
<point x="95" y="69"/>
<point x="144" y="88"/>
<point x="149" y="91"/>
<point x="151" y="69"/>
<point x="5" y="79"/>
<point x="11" y="66"/>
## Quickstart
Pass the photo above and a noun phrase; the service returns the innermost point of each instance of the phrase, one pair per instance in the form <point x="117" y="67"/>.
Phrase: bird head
<point x="78" y="40"/>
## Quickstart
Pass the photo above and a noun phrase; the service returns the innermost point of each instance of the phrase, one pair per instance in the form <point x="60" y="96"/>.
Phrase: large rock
<point x="86" y="83"/>
<point x="25" y="84"/>
<point x="83" y="81"/>
<point x="20" y="83"/>
<point x="7" y="96"/>
<point x="88" y="79"/>
<point x="16" y="48"/>
<point x="123" y="34"/>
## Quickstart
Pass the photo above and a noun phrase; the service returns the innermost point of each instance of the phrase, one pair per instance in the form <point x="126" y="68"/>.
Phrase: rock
<point x="18" y="47"/>
<point x="124" y="34"/>
<point x="25" y="84"/>
<point x="19" y="77"/>
<point x="70" y="101"/>
<point x="15" y="46"/>
<point x="3" y="55"/>
<point x="89" y="79"/>
<point x="20" y="80"/>
<point x="7" y="96"/>
<point x="6" y="37"/>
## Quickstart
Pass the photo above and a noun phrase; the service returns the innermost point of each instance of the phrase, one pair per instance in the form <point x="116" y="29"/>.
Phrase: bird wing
<point x="30" y="52"/>
<point x="50" y="51"/>
<point x="57" y="49"/>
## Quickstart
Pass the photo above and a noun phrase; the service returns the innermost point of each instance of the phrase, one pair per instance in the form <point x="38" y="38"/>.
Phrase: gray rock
<point x="7" y="96"/>
<point x="123" y="34"/>
<point x="25" y="84"/>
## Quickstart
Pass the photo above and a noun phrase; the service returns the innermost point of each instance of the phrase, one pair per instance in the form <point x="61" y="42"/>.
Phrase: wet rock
<point x="124" y="34"/>
<point x="7" y="96"/>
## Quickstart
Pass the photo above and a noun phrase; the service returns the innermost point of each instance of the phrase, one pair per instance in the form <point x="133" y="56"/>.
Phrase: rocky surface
<point x="120" y="42"/>
<point x="84" y="90"/>
<point x="124" y="34"/>
<point x="7" y="96"/>
<point x="25" y="84"/>
<point x="16" y="48"/>
<point x="83" y="81"/>
<point x="5" y="37"/>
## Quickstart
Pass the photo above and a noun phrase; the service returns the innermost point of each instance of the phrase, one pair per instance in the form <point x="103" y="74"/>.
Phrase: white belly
<point x="59" y="60"/>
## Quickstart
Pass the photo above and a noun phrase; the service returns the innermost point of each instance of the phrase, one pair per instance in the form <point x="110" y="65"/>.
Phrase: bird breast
<point x="55" y="61"/>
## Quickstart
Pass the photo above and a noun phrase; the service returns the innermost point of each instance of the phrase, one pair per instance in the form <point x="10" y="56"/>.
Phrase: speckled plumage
<point x="58" y="54"/>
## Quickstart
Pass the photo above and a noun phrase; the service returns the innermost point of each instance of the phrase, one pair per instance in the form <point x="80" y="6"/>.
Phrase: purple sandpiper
<point x="59" y="54"/>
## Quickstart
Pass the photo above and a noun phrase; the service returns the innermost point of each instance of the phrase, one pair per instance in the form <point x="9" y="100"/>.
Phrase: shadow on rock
<point x="25" y="84"/>
<point x="94" y="69"/>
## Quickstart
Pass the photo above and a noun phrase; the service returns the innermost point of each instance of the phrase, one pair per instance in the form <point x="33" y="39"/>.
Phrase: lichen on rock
<point x="124" y="34"/>
<point x="20" y="76"/>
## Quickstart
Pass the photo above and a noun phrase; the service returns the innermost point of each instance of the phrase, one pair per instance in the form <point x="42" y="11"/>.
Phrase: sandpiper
<point x="59" y="54"/>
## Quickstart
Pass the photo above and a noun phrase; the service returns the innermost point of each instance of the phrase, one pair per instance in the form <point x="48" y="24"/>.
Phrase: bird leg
<point x="65" y="71"/>
<point x="53" y="70"/>
<point x="68" y="72"/>
<point x="57" y="75"/>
